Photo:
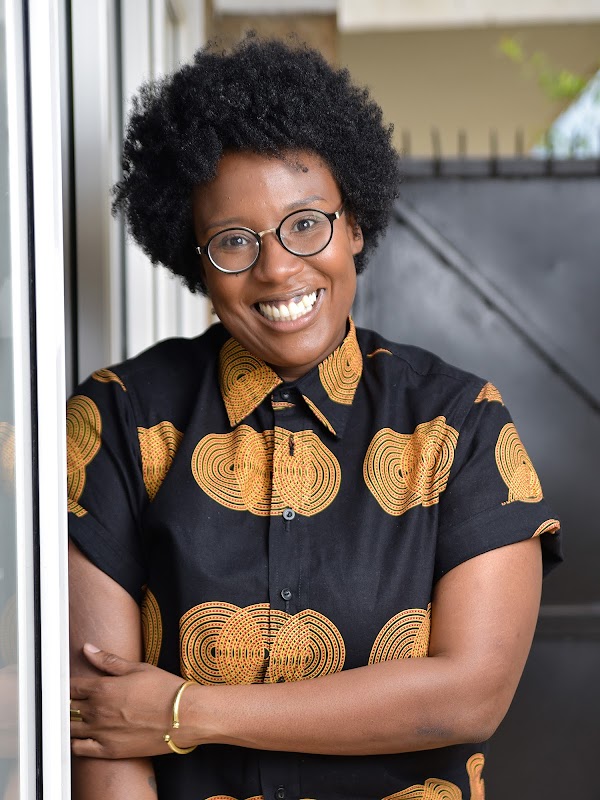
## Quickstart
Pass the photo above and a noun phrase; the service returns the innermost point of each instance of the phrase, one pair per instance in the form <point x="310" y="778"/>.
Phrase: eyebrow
<point x="297" y="204"/>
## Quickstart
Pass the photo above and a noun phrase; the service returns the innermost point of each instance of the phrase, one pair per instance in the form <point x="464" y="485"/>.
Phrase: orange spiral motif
<point x="404" y="636"/>
<point x="307" y="645"/>
<point x="549" y="526"/>
<point x="7" y="453"/>
<point x="306" y="477"/>
<point x="516" y="468"/>
<point x="406" y="470"/>
<point x="152" y="629"/>
<point x="244" y="380"/>
<point x="378" y="351"/>
<point x="223" y="643"/>
<point x="318" y="414"/>
<point x="432" y="789"/>
<point x="158" y="446"/>
<point x="106" y="376"/>
<point x="229" y="797"/>
<point x="490" y="393"/>
<point x="475" y="767"/>
<point x="341" y="371"/>
<point x="234" y="469"/>
<point x="84" y="432"/>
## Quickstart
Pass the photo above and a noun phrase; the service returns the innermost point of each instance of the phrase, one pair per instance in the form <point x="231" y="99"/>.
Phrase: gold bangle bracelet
<point x="175" y="723"/>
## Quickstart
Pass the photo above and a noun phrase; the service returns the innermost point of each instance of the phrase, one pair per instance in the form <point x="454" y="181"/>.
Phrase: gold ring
<point x="75" y="714"/>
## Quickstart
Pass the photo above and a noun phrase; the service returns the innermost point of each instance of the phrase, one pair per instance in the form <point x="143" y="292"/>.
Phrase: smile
<point x="291" y="310"/>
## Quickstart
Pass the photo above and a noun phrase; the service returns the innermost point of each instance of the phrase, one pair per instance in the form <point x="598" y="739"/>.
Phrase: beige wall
<point x="318" y="30"/>
<point x="456" y="79"/>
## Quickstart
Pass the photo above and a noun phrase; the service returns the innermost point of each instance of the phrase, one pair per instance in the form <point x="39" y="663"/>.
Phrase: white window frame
<point x="39" y="419"/>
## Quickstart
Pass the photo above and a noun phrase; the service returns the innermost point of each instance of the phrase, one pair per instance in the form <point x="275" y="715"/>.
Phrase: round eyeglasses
<point x="302" y="233"/>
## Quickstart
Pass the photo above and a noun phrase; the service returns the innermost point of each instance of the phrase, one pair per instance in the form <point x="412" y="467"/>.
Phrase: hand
<point x="126" y="711"/>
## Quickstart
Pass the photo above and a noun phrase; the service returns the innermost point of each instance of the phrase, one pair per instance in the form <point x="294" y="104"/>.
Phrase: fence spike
<point x="462" y="143"/>
<point x="519" y="143"/>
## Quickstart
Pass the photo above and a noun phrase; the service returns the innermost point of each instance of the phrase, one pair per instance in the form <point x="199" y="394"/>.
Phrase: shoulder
<point x="179" y="359"/>
<point x="162" y="381"/>
<point x="415" y="370"/>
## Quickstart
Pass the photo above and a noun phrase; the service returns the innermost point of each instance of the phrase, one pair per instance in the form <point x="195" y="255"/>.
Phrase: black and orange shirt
<point x="280" y="532"/>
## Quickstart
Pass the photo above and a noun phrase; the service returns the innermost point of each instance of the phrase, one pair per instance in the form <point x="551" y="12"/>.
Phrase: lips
<point x="290" y="309"/>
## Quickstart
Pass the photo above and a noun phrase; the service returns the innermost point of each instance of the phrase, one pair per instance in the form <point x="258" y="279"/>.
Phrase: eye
<point x="233" y="240"/>
<point x="307" y="223"/>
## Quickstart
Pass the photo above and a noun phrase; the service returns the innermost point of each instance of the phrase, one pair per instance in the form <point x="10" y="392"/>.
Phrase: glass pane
<point x="8" y="601"/>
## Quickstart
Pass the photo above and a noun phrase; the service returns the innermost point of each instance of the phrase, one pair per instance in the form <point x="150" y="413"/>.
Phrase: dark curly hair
<point x="268" y="97"/>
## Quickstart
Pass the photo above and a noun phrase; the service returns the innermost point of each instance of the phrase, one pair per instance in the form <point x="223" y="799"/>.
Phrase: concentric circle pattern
<point x="549" y="526"/>
<point x="490" y="393"/>
<point x="341" y="371"/>
<point x="406" y="470"/>
<point x="515" y="467"/>
<point x="307" y="645"/>
<point x="107" y="376"/>
<point x="405" y="635"/>
<point x="84" y="437"/>
<point x="223" y="643"/>
<point x="474" y="769"/>
<point x="432" y="789"/>
<point x="152" y="628"/>
<point x="244" y="380"/>
<point x="306" y="477"/>
<point x="158" y="446"/>
<point x="235" y="470"/>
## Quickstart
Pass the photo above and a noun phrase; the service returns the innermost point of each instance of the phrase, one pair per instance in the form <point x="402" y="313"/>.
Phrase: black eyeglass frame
<point x="331" y="216"/>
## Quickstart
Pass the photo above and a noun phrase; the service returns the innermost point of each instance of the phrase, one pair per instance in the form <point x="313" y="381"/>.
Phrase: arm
<point x="484" y="615"/>
<point x="102" y="611"/>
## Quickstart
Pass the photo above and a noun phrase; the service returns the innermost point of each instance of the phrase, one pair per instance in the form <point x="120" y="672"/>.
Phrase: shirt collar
<point x="328" y="390"/>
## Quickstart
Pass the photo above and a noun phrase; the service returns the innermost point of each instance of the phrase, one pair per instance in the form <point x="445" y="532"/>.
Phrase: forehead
<point x="248" y="181"/>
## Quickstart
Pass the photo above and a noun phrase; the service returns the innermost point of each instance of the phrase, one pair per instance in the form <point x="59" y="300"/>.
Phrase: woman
<point x="334" y="540"/>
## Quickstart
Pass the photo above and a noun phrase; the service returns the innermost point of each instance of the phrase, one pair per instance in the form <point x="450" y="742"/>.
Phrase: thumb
<point x="107" y="662"/>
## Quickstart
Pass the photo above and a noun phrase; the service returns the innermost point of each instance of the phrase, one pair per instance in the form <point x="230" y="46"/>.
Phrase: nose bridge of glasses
<point x="260" y="234"/>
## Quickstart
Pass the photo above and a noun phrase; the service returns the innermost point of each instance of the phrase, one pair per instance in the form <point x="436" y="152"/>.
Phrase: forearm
<point x="397" y="706"/>
<point x="96" y="779"/>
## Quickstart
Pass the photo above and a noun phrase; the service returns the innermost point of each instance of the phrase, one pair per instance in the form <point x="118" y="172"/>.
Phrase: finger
<point x="108" y="662"/>
<point x="79" y="691"/>
<point x="88" y="748"/>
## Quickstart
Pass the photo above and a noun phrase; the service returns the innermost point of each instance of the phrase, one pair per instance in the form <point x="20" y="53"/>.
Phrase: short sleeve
<point x="104" y="480"/>
<point x="494" y="496"/>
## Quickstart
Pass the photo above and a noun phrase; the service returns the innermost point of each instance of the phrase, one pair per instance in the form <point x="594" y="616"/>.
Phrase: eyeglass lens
<point x="303" y="233"/>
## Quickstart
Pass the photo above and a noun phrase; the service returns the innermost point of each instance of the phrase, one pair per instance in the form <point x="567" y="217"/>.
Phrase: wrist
<point x="192" y="724"/>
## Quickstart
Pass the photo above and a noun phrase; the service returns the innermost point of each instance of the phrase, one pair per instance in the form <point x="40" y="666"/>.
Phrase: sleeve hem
<point x="91" y="538"/>
<point x="503" y="525"/>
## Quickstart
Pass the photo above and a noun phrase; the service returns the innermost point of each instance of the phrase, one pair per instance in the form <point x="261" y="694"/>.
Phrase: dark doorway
<point x="495" y="266"/>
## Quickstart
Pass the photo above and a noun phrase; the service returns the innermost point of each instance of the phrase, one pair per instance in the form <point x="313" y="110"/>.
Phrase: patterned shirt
<point x="282" y="531"/>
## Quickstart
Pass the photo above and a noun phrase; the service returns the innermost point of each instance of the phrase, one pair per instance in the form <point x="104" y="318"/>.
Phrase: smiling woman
<point x="270" y="308"/>
<point x="307" y="559"/>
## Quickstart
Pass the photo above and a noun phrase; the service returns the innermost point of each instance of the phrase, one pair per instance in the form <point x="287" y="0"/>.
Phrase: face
<point x="253" y="191"/>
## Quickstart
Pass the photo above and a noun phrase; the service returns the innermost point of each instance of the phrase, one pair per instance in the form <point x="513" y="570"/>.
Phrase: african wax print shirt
<point x="280" y="532"/>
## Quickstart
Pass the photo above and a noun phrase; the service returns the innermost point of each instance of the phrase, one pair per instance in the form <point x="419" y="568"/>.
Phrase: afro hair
<point x="265" y="96"/>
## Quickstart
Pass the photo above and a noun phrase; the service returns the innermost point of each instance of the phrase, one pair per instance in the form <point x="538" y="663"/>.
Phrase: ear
<point x="355" y="234"/>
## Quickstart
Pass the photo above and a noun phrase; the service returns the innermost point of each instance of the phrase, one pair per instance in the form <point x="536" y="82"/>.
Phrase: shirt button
<point x="285" y="396"/>
<point x="286" y="594"/>
<point x="288" y="514"/>
<point x="280" y="793"/>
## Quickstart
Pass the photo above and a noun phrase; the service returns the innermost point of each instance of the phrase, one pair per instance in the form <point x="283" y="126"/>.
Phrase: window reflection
<point x="9" y="789"/>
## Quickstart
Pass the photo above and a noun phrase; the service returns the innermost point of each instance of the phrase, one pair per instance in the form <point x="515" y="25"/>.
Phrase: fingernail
<point x="91" y="648"/>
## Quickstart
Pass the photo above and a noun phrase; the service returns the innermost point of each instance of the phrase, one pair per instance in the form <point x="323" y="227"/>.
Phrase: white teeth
<point x="292" y="310"/>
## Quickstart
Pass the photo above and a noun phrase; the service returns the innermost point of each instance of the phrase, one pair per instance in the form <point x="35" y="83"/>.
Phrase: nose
<point x="275" y="263"/>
